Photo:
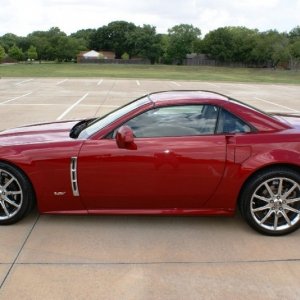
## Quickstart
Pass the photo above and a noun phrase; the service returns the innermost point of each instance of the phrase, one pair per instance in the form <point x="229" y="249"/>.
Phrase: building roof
<point x="91" y="53"/>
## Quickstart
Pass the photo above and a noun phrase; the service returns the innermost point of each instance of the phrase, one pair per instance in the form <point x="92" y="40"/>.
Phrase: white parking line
<point x="100" y="81"/>
<point x="62" y="81"/>
<point x="279" y="105"/>
<point x="13" y="99"/>
<point x="137" y="82"/>
<point x="71" y="107"/>
<point x="27" y="80"/>
<point x="175" y="83"/>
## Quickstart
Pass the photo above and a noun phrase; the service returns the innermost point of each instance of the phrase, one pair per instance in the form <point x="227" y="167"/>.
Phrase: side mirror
<point x="125" y="138"/>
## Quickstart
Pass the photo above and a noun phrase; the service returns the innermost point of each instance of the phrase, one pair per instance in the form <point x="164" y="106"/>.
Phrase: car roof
<point x="259" y="120"/>
<point x="182" y="95"/>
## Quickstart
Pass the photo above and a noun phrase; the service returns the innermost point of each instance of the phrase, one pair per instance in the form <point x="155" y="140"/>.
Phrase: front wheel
<point x="270" y="202"/>
<point x="16" y="195"/>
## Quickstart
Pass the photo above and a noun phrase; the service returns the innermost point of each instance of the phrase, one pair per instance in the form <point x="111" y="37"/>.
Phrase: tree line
<point x="125" y="39"/>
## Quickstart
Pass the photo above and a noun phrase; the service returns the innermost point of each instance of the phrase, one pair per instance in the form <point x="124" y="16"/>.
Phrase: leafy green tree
<point x="67" y="48"/>
<point x="84" y="36"/>
<point x="181" y="40"/>
<point x="32" y="53"/>
<point x="294" y="34"/>
<point x="2" y="53"/>
<point x="219" y="44"/>
<point x="99" y="39"/>
<point x="270" y="47"/>
<point x="114" y="37"/>
<point x="145" y="42"/>
<point x="164" y="44"/>
<point x="16" y="53"/>
<point x="198" y="46"/>
<point x="40" y="41"/>
<point x="243" y="41"/>
<point x="117" y="37"/>
<point x="56" y="45"/>
<point x="9" y="40"/>
<point x="294" y="54"/>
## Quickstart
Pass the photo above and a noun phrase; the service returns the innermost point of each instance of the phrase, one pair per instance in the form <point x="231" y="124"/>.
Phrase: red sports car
<point x="172" y="153"/>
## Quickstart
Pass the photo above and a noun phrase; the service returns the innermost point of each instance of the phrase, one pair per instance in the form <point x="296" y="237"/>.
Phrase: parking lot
<point x="138" y="257"/>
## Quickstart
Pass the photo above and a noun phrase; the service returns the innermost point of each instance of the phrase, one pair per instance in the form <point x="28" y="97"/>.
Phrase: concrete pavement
<point x="135" y="257"/>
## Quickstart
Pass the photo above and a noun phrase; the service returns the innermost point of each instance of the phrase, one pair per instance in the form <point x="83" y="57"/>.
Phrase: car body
<point x="172" y="153"/>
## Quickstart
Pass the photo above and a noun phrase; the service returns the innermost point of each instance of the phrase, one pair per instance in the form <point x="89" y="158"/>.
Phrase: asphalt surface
<point x="132" y="257"/>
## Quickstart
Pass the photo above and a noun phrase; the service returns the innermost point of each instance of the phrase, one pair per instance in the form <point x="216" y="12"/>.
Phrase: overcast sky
<point x="24" y="16"/>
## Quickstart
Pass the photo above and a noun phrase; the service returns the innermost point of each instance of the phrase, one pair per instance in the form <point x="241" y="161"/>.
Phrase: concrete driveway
<point x="133" y="257"/>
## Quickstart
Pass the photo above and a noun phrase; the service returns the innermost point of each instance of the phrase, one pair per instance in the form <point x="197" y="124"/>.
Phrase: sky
<point x="22" y="17"/>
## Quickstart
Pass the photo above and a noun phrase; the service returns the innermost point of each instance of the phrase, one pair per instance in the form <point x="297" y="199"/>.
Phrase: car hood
<point x="37" y="133"/>
<point x="291" y="119"/>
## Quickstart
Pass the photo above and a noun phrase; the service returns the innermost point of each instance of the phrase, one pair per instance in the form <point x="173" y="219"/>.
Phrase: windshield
<point x="102" y="122"/>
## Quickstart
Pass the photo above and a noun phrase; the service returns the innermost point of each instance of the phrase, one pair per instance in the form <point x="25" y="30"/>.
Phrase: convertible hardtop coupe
<point x="171" y="153"/>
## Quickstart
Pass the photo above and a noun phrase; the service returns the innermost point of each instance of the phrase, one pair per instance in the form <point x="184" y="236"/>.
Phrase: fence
<point x="82" y="60"/>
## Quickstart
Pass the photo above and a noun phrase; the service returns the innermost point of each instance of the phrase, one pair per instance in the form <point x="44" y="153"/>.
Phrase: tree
<point x="294" y="34"/>
<point x="84" y="36"/>
<point x="164" y="44"/>
<point x="99" y="39"/>
<point x="67" y="48"/>
<point x="181" y="40"/>
<point x="2" y="53"/>
<point x="55" y="44"/>
<point x="8" y="40"/>
<point x="294" y="60"/>
<point x="16" y="53"/>
<point x="32" y="53"/>
<point x="243" y="41"/>
<point x="219" y="44"/>
<point x="270" y="47"/>
<point x="145" y="42"/>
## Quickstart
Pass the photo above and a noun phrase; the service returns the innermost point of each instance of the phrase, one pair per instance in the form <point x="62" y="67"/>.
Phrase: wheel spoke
<point x="289" y="191"/>
<point x="286" y="217"/>
<point x="279" y="192"/>
<point x="266" y="217"/>
<point x="269" y="189"/>
<point x="292" y="209"/>
<point x="6" y="199"/>
<point x="261" y="198"/>
<point x="261" y="208"/>
<point x="289" y="201"/>
<point x="8" y="183"/>
<point x="4" y="208"/>
<point x="14" y="193"/>
<point x="275" y="221"/>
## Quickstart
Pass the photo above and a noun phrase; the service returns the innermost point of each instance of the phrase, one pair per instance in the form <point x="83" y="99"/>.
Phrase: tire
<point x="270" y="201"/>
<point x="16" y="195"/>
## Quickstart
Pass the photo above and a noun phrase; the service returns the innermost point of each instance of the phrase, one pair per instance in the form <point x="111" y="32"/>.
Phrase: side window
<point x="183" y="120"/>
<point x="228" y="123"/>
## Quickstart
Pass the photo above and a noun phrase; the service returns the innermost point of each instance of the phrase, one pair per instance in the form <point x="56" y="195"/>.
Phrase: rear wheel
<point x="16" y="195"/>
<point x="270" y="202"/>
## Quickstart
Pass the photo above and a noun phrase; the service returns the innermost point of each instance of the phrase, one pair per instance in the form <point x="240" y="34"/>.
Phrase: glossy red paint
<point x="192" y="175"/>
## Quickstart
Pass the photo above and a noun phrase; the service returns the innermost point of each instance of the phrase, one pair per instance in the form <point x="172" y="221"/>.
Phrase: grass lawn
<point x="147" y="71"/>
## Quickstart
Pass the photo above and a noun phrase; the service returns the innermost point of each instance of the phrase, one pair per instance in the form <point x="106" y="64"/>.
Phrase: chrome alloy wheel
<point x="11" y="195"/>
<point x="275" y="204"/>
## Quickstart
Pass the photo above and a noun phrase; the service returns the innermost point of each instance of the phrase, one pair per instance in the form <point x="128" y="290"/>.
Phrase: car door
<point x="177" y="162"/>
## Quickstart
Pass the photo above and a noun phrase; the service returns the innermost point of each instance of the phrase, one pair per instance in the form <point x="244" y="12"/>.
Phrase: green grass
<point x="155" y="72"/>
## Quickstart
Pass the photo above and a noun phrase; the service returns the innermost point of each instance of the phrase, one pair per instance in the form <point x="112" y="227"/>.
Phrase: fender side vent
<point x="74" y="183"/>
